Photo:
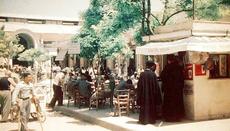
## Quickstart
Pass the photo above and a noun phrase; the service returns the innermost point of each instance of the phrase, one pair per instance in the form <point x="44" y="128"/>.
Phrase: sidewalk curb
<point x="90" y="119"/>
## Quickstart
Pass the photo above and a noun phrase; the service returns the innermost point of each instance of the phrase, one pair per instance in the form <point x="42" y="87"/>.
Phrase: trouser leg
<point x="111" y="98"/>
<point x="55" y="96"/>
<point x="6" y="103"/>
<point x="60" y="95"/>
<point x="24" y="115"/>
<point x="1" y="103"/>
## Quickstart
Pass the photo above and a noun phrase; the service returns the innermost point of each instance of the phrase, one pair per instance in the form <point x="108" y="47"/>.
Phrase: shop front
<point x="206" y="61"/>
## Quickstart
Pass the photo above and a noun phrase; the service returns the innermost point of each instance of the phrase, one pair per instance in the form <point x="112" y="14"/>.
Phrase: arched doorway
<point x="27" y="41"/>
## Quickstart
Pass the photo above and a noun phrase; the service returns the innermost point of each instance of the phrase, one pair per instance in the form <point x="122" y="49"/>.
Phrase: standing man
<point x="172" y="84"/>
<point x="6" y="85"/>
<point x="57" y="89"/>
<point x="24" y="91"/>
<point x="146" y="94"/>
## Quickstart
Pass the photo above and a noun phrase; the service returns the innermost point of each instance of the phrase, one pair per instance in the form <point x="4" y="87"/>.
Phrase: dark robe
<point x="172" y="85"/>
<point x="146" y="97"/>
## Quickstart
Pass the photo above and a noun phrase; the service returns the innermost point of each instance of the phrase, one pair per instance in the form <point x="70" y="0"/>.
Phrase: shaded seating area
<point x="121" y="101"/>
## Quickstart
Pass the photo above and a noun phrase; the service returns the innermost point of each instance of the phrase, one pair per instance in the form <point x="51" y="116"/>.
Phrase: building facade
<point x="41" y="23"/>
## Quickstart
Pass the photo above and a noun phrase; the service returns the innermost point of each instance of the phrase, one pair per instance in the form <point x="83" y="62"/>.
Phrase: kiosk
<point x="206" y="58"/>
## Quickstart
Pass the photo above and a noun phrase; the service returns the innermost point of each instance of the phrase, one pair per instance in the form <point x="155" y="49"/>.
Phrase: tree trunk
<point x="165" y="13"/>
<point x="143" y="17"/>
<point x="8" y="63"/>
<point x="35" y="73"/>
<point x="148" y="16"/>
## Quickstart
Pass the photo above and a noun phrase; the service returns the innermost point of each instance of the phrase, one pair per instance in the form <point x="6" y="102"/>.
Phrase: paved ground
<point x="55" y="122"/>
<point x="104" y="117"/>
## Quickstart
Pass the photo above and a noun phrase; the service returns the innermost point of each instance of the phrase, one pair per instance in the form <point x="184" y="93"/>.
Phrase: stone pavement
<point x="105" y="118"/>
<point x="55" y="121"/>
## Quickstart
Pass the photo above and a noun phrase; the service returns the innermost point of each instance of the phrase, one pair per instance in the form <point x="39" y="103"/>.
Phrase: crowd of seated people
<point x="87" y="83"/>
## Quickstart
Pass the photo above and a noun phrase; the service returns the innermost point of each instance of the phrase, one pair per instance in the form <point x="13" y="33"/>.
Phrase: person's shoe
<point x="142" y="123"/>
<point x="173" y="119"/>
<point x="145" y="123"/>
<point x="49" y="106"/>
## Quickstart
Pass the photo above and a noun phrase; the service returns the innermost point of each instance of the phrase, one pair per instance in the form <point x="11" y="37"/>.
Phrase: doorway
<point x="28" y="43"/>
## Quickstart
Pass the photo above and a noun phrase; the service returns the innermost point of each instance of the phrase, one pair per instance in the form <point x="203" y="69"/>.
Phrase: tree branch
<point x="143" y="16"/>
<point x="166" y="20"/>
<point x="156" y="19"/>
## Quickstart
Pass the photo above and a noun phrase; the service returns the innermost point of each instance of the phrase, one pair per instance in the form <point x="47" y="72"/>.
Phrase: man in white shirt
<point x="24" y="91"/>
<point x="57" y="89"/>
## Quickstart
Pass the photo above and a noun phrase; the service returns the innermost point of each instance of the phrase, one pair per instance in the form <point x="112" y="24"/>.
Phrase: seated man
<point x="120" y="86"/>
<point x="122" y="83"/>
<point x="129" y="85"/>
<point x="84" y="86"/>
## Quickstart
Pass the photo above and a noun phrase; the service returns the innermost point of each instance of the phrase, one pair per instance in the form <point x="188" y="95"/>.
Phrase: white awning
<point x="74" y="51"/>
<point x="61" y="55"/>
<point x="200" y="44"/>
<point x="72" y="48"/>
<point x="51" y="51"/>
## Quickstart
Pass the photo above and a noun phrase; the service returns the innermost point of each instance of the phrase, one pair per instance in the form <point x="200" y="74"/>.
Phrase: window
<point x="218" y="66"/>
<point x="47" y="42"/>
<point x="3" y="19"/>
<point x="35" y="21"/>
<point x="70" y="22"/>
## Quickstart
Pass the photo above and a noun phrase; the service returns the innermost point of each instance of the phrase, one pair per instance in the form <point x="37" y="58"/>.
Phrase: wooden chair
<point x="121" y="104"/>
<point x="71" y="94"/>
<point x="74" y="94"/>
<point x="81" y="100"/>
<point x="133" y="100"/>
<point x="97" y="98"/>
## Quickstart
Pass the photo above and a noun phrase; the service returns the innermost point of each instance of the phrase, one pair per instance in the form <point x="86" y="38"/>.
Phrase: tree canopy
<point x="199" y="9"/>
<point x="9" y="45"/>
<point x="33" y="55"/>
<point x="105" y="22"/>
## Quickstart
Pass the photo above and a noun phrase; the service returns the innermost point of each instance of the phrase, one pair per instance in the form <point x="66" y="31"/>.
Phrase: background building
<point x="41" y="23"/>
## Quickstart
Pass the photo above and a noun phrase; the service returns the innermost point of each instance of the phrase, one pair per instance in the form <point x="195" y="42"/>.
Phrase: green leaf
<point x="105" y="22"/>
<point x="33" y="55"/>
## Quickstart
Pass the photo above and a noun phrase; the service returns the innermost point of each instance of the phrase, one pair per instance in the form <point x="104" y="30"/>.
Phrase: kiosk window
<point x="218" y="66"/>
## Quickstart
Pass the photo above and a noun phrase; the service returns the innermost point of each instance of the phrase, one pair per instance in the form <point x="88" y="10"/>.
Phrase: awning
<point x="74" y="48"/>
<point x="51" y="51"/>
<point x="61" y="55"/>
<point x="200" y="44"/>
